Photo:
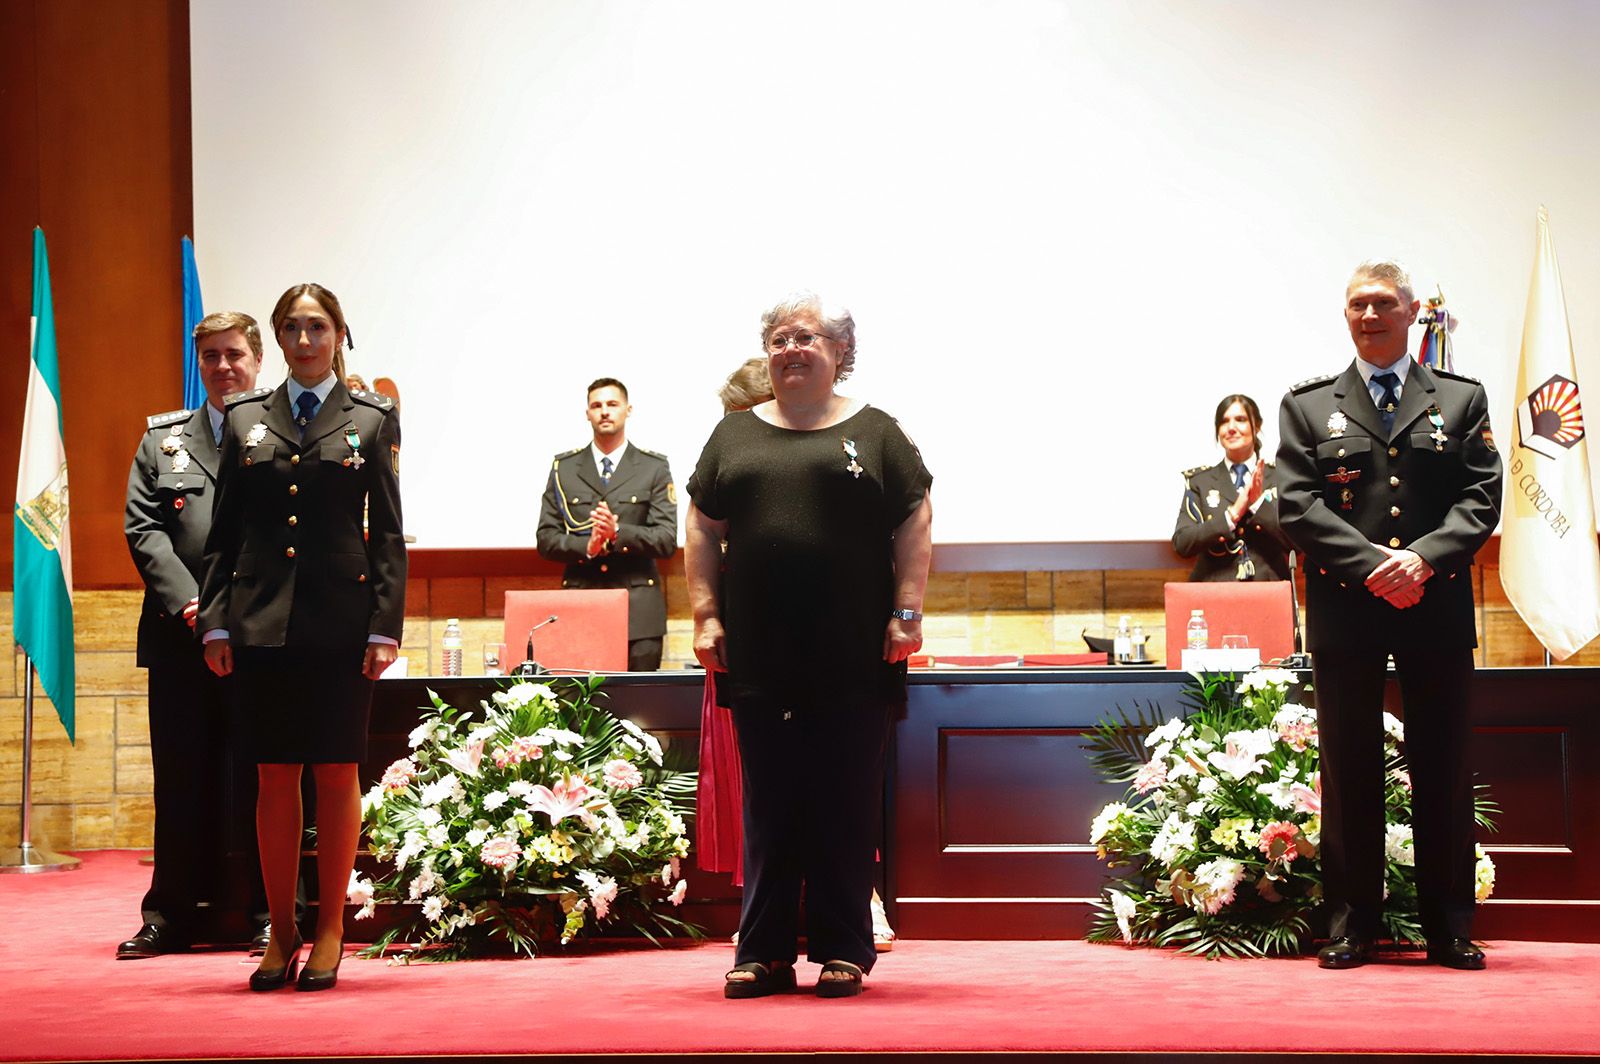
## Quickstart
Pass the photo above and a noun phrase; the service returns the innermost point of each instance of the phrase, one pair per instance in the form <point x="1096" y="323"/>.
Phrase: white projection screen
<point x="1065" y="228"/>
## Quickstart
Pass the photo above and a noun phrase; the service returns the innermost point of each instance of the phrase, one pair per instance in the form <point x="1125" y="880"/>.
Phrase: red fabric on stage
<point x="66" y="998"/>
<point x="719" y="809"/>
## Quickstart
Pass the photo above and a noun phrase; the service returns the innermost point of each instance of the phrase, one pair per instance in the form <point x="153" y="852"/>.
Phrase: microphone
<point x="1299" y="659"/>
<point x="530" y="667"/>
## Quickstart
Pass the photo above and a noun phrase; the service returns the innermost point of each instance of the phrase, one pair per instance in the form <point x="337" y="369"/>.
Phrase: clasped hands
<point x="1398" y="579"/>
<point x="901" y="639"/>
<point x="604" y="530"/>
<point x="378" y="656"/>
<point x="1251" y="494"/>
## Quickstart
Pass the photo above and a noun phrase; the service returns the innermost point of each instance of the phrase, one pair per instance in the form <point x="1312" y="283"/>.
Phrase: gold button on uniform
<point x="633" y="498"/>
<point x="288" y="552"/>
<point x="1394" y="541"/>
<point x="294" y="489"/>
<point x="361" y="579"/>
<point x="1394" y="482"/>
<point x="294" y="459"/>
<point x="249" y="461"/>
<point x="1341" y="452"/>
<point x="1394" y="511"/>
<point x="1394" y="452"/>
<point x="652" y="583"/>
<point x="293" y="520"/>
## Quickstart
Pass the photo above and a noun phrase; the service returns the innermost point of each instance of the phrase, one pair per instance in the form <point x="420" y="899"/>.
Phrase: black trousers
<point x="1435" y="686"/>
<point x="205" y="798"/>
<point x="813" y="804"/>
<point x="644" y="655"/>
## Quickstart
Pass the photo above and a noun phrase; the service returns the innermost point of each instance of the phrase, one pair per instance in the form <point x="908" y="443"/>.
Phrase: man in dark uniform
<point x="1389" y="483"/>
<point x="199" y="796"/>
<point x="609" y="512"/>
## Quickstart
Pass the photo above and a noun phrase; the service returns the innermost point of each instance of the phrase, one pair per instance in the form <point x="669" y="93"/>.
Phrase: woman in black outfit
<point x="305" y="608"/>
<point x="823" y="504"/>
<point x="1228" y="521"/>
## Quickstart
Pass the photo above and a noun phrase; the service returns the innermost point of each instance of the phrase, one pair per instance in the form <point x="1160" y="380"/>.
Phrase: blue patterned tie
<point x="1238" y="475"/>
<point x="1389" y="400"/>
<point x="605" y="470"/>
<point x="306" y="405"/>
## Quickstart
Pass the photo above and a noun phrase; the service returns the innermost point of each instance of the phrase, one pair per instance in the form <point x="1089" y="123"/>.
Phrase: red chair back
<point x="590" y="633"/>
<point x="1258" y="609"/>
<point x="1063" y="660"/>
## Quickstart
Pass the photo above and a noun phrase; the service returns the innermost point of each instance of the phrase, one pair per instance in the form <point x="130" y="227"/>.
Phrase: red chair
<point x="590" y="633"/>
<point x="1257" y="610"/>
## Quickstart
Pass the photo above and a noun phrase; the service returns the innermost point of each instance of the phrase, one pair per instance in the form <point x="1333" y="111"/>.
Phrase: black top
<point x="809" y="578"/>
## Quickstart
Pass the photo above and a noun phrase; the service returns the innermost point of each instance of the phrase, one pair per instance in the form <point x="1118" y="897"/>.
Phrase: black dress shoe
<point x="1458" y="953"/>
<point x="320" y="978"/>
<point x="151" y="941"/>
<point x="273" y="978"/>
<point x="1344" y="952"/>
<point x="262" y="939"/>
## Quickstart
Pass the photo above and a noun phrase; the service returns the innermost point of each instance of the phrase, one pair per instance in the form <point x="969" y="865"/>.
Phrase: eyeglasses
<point x="777" y="345"/>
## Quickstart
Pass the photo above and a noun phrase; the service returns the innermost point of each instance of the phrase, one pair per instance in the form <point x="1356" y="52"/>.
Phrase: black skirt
<point x="297" y="706"/>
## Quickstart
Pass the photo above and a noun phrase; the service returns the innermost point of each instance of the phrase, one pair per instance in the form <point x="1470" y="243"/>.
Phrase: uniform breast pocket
<point x="259" y="455"/>
<point x="338" y="451"/>
<point x="178" y="490"/>
<point x="1344" y="463"/>
<point x="1426" y="443"/>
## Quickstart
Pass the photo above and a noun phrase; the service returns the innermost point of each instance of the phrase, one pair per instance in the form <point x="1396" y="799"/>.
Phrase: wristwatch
<point x="906" y="615"/>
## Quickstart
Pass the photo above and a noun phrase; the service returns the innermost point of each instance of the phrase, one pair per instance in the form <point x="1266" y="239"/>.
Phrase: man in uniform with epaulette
<point x="609" y="512"/>
<point x="1389" y="482"/>
<point x="199" y="797"/>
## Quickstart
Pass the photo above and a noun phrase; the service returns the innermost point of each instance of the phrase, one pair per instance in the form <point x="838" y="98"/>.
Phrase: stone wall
<point x="97" y="794"/>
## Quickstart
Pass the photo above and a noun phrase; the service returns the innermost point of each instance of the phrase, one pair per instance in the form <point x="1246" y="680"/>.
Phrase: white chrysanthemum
<point x="476" y="837"/>
<point x="1207" y="785"/>
<point x="495" y="799"/>
<point x="672" y="821"/>
<point x="372" y="800"/>
<point x="519" y="788"/>
<point x="433" y="908"/>
<point x="1196" y="808"/>
<point x="1293" y="713"/>
<point x="424" y="884"/>
<point x="1484" y="875"/>
<point x="1214" y="884"/>
<point x="1175" y="837"/>
<point x="1124" y="908"/>
<point x="423" y="732"/>
<point x="1257" y="742"/>
<point x="1263" y="679"/>
<point x="1393" y="727"/>
<point x="429" y="816"/>
<point x="440" y="790"/>
<point x="1166" y="733"/>
<point x="1280" y="791"/>
<point x="439" y="835"/>
<point x="1397" y="844"/>
<point x="1104" y="820"/>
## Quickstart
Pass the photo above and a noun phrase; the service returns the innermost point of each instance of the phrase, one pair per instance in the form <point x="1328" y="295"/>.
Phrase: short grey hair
<point x="1384" y="270"/>
<point x="834" y="322"/>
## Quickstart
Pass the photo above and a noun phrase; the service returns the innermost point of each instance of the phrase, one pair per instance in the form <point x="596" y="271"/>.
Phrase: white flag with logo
<point x="1549" y="560"/>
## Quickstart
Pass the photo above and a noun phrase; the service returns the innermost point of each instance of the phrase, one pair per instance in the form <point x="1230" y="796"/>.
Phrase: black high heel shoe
<point x="320" y="978"/>
<point x="276" y="978"/>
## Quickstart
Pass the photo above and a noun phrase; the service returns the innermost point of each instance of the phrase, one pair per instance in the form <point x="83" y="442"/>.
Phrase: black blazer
<point x="1345" y="484"/>
<point x="1203" y="531"/>
<point x="172" y="488"/>
<point x="646" y="504"/>
<point x="286" y="563"/>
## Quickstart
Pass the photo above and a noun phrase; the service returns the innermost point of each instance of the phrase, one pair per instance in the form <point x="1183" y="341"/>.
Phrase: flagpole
<point x="27" y="857"/>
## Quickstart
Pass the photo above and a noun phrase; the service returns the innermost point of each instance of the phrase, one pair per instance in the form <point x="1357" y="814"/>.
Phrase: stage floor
<point x="66" y="998"/>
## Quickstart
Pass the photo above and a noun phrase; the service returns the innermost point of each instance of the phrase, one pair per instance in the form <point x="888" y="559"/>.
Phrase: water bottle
<point x="1138" y="643"/>
<point x="451" y="660"/>
<point x="1198" y="634"/>
<point x="1122" y="645"/>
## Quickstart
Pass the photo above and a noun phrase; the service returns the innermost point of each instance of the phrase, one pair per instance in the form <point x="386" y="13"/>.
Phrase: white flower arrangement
<point x="1220" y="831"/>
<point x="543" y="821"/>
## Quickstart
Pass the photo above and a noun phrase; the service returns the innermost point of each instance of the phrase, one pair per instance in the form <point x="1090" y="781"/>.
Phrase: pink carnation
<point x="1279" y="832"/>
<point x="622" y="775"/>
<point x="522" y="748"/>
<point x="500" y="852"/>
<point x="398" y="776"/>
<point x="1298" y="735"/>
<point x="1151" y="776"/>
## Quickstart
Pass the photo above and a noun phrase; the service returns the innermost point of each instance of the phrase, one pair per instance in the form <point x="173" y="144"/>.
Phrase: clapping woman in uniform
<point x="1228" y="522"/>
<point x="305" y="609"/>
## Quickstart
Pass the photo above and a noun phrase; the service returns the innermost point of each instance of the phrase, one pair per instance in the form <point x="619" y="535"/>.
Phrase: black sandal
<point x="838" y="988"/>
<point x="773" y="979"/>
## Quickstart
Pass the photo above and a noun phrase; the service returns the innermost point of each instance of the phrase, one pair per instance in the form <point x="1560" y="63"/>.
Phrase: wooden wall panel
<point x="97" y="152"/>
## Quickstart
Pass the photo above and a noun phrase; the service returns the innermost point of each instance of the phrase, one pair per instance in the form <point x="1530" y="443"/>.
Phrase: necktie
<point x="605" y="470"/>
<point x="1238" y="475"/>
<point x="306" y="406"/>
<point x="1389" y="400"/>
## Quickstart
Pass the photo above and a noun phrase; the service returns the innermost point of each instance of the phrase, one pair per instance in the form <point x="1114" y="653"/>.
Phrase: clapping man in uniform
<point x="609" y="512"/>
<point x="1389" y="482"/>
<point x="171" y="490"/>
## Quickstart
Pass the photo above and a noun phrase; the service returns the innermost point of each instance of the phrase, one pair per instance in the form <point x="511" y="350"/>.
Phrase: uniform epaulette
<point x="1187" y="473"/>
<point x="1453" y="375"/>
<point x="566" y="454"/>
<point x="171" y="417"/>
<point x="239" y="397"/>
<point x="375" y="399"/>
<point x="652" y="454"/>
<point x="1313" y="382"/>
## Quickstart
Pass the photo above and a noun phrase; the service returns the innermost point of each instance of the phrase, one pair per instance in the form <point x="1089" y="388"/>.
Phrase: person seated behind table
<point x="1229" y="518"/>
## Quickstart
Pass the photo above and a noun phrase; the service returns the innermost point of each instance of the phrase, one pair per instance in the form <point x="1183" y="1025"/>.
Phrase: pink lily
<point x="566" y="799"/>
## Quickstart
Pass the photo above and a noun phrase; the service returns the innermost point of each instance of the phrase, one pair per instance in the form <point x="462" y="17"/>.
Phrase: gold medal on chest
<point x="1337" y="423"/>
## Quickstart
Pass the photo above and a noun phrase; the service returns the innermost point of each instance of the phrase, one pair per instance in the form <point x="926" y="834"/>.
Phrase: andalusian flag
<point x="1549" y="561"/>
<point x="42" y="546"/>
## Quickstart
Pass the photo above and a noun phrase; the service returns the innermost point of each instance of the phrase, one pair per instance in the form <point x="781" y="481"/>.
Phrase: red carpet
<point x="66" y="998"/>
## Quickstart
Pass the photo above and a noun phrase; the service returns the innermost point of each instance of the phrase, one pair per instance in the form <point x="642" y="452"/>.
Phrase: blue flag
<point x="194" y="393"/>
<point x="41" y="602"/>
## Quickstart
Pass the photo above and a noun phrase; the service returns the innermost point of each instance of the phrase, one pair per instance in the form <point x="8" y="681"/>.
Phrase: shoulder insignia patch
<point x="171" y="417"/>
<point x="373" y="399"/>
<point x="1312" y="382"/>
<point x="240" y="397"/>
<point x="1187" y="473"/>
<point x="1453" y="375"/>
<point x="652" y="454"/>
